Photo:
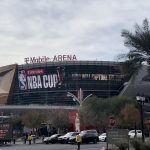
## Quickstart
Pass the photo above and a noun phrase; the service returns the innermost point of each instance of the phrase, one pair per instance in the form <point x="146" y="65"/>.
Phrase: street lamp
<point x="2" y="117"/>
<point x="80" y="101"/>
<point x="141" y="99"/>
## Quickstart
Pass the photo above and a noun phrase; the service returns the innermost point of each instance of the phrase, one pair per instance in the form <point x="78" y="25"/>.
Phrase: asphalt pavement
<point x="19" y="145"/>
<point x="40" y="146"/>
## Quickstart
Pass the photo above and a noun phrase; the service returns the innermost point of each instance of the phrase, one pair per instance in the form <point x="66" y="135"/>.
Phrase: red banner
<point x="72" y="117"/>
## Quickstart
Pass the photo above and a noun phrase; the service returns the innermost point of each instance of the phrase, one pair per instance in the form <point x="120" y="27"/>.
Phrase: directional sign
<point x="112" y="121"/>
<point x="117" y="136"/>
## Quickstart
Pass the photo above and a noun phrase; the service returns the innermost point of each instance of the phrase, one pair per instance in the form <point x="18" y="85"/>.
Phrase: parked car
<point x="65" y="138"/>
<point x="34" y="136"/>
<point x="102" y="137"/>
<point x="89" y="136"/>
<point x="131" y="134"/>
<point x="52" y="139"/>
<point x="72" y="139"/>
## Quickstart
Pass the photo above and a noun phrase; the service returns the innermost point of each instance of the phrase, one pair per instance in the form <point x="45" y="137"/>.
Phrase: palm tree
<point x="138" y="42"/>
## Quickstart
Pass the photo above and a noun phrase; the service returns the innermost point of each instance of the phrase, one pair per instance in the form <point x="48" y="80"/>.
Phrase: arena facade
<point x="48" y="82"/>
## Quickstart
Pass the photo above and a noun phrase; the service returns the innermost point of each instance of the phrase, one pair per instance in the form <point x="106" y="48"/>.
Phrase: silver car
<point x="131" y="134"/>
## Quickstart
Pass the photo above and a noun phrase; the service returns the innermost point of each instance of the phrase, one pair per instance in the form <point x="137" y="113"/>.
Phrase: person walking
<point x="78" y="141"/>
<point x="43" y="138"/>
<point x="34" y="138"/>
<point x="25" y="137"/>
<point x="14" y="140"/>
<point x="29" y="139"/>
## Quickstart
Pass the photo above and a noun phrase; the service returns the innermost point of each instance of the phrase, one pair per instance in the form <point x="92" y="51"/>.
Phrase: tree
<point x="98" y="110"/>
<point x="58" y="119"/>
<point x="17" y="123"/>
<point x="129" y="116"/>
<point x="138" y="42"/>
<point x="33" y="119"/>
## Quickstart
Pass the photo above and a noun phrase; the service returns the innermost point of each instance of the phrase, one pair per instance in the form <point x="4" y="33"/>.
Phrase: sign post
<point x="112" y="121"/>
<point x="117" y="136"/>
<point x="147" y="122"/>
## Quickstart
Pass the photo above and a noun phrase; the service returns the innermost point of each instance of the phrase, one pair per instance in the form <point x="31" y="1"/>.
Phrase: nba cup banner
<point x="38" y="79"/>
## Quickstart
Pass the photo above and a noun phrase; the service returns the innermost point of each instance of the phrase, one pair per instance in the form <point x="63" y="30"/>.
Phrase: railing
<point x="34" y="106"/>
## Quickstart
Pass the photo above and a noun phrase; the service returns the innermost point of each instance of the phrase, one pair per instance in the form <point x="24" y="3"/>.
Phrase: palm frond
<point x="138" y="42"/>
<point x="146" y="25"/>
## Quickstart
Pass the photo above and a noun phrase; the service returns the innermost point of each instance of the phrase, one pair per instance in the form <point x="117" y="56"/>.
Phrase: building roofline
<point x="34" y="106"/>
<point x="61" y="63"/>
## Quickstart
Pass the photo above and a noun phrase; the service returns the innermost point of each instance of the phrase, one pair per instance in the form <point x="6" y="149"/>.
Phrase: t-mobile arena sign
<point x="44" y="59"/>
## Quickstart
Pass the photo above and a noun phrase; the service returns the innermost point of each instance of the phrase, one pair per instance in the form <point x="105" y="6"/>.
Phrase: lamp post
<point x="141" y="99"/>
<point x="2" y="117"/>
<point x="80" y="101"/>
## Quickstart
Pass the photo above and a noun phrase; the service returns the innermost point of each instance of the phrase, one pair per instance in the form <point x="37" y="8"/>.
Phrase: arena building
<point x="48" y="82"/>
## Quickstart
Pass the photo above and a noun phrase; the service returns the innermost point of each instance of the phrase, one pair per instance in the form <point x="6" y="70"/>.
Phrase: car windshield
<point x="54" y="135"/>
<point x="82" y="133"/>
<point x="132" y="131"/>
<point x="103" y="134"/>
<point x="76" y="133"/>
<point x="89" y="132"/>
<point x="68" y="134"/>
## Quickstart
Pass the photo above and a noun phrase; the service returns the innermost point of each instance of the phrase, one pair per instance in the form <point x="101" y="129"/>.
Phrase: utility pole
<point x="80" y="101"/>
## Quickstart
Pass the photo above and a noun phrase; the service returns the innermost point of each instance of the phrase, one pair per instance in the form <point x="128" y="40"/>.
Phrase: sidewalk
<point x="37" y="141"/>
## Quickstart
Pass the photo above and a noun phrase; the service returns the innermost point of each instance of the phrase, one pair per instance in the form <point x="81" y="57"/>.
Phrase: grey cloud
<point x="90" y="28"/>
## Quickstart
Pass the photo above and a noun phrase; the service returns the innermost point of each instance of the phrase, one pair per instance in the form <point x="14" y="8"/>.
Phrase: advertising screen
<point x="5" y="130"/>
<point x="49" y="83"/>
<point x="41" y="78"/>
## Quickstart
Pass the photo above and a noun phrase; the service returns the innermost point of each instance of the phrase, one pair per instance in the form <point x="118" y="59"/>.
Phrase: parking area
<point x="41" y="146"/>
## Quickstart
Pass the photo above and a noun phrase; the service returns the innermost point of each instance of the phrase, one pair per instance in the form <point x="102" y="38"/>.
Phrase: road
<point x="97" y="146"/>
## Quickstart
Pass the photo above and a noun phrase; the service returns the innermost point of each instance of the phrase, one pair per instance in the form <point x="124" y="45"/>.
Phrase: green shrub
<point x="136" y="144"/>
<point x="145" y="146"/>
<point x="122" y="146"/>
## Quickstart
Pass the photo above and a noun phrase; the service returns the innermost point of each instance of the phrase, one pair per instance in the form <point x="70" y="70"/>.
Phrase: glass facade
<point x="49" y="83"/>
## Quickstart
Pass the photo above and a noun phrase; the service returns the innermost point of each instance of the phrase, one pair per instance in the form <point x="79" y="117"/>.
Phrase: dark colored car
<point x="65" y="138"/>
<point x="89" y="136"/>
<point x="52" y="139"/>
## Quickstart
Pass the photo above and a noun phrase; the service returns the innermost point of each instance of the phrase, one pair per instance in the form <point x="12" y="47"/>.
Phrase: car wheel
<point x="95" y="141"/>
<point x="67" y="141"/>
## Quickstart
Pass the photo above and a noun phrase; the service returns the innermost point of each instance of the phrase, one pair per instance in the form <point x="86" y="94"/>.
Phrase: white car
<point x="46" y="139"/>
<point x="65" y="138"/>
<point x="102" y="137"/>
<point x="131" y="134"/>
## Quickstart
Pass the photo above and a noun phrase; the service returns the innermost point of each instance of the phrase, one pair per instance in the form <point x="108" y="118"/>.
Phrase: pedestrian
<point x="25" y="137"/>
<point x="14" y="140"/>
<point x="34" y="138"/>
<point x="78" y="141"/>
<point x="29" y="139"/>
<point x="43" y="138"/>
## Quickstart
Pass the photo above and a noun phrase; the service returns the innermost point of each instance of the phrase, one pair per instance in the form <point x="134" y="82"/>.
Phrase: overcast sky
<point x="90" y="29"/>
